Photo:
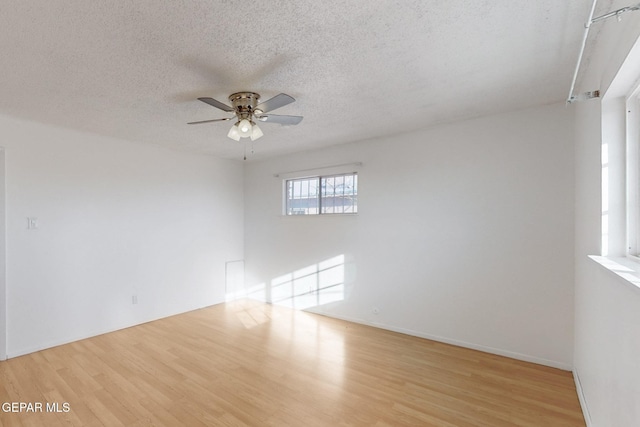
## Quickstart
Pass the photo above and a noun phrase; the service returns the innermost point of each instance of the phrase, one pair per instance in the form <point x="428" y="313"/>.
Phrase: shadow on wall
<point x="311" y="286"/>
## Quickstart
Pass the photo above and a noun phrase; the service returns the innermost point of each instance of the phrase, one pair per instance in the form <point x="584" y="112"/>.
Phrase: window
<point x="333" y="194"/>
<point x="620" y="174"/>
<point x="633" y="174"/>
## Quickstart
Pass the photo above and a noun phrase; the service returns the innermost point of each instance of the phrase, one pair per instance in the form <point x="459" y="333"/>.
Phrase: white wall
<point x="465" y="233"/>
<point x="607" y="322"/>
<point x="115" y="219"/>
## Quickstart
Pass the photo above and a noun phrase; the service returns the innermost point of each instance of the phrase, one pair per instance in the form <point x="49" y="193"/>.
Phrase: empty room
<point x="365" y="213"/>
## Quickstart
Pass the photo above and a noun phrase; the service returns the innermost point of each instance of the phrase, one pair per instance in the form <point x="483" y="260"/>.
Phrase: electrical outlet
<point x="134" y="299"/>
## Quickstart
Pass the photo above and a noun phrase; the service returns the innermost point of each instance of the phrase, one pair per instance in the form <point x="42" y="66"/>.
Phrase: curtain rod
<point x="277" y="175"/>
<point x="570" y="98"/>
<point x="617" y="13"/>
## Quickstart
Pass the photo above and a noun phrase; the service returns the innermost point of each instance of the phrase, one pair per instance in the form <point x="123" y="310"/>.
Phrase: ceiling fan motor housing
<point x="244" y="104"/>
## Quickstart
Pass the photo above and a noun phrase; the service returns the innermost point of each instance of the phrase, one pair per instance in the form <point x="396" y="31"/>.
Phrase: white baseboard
<point x="67" y="340"/>
<point x="582" y="399"/>
<point x="95" y="333"/>
<point x="473" y="346"/>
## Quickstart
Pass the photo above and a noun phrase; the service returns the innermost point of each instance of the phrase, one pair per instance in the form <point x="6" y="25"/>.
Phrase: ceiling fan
<point x="246" y="108"/>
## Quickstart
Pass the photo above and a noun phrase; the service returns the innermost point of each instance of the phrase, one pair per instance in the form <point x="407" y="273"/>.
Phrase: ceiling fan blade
<point x="283" y="120"/>
<point x="276" y="102"/>
<point x="209" y="121"/>
<point x="217" y="104"/>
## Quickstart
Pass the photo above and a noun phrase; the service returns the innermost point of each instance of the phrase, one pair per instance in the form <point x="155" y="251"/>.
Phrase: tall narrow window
<point x="334" y="194"/>
<point x="633" y="174"/>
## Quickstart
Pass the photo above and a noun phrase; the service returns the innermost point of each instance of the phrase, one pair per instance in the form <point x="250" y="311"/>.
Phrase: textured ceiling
<point x="357" y="69"/>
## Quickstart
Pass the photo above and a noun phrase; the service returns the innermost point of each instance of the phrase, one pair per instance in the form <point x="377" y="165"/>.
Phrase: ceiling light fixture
<point x="256" y="132"/>
<point x="244" y="127"/>
<point x="246" y="110"/>
<point x="234" y="133"/>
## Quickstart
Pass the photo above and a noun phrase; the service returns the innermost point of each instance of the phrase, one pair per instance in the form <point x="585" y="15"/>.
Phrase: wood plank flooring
<point x="248" y="363"/>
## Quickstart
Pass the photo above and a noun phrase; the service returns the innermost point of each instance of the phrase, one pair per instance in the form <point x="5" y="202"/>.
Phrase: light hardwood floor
<point x="248" y="363"/>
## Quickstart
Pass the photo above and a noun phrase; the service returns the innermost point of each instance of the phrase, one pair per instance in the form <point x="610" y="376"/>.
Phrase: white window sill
<point x="625" y="268"/>
<point x="342" y="215"/>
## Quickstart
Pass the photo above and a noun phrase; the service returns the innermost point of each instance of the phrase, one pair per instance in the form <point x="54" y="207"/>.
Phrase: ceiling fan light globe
<point x="234" y="133"/>
<point x="244" y="128"/>
<point x="256" y="132"/>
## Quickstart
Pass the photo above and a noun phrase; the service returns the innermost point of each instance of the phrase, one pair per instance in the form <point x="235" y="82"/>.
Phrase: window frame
<point x="321" y="194"/>
<point x="632" y="179"/>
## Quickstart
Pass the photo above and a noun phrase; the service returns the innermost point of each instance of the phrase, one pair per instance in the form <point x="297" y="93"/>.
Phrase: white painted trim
<point x="322" y="170"/>
<point x="4" y="305"/>
<point x="613" y="174"/>
<point x="622" y="267"/>
<point x="582" y="399"/>
<point x="627" y="77"/>
<point x="329" y="215"/>
<point x="632" y="174"/>
<point x="68" y="340"/>
<point x="472" y="346"/>
<point x="633" y="258"/>
<point x="95" y="333"/>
